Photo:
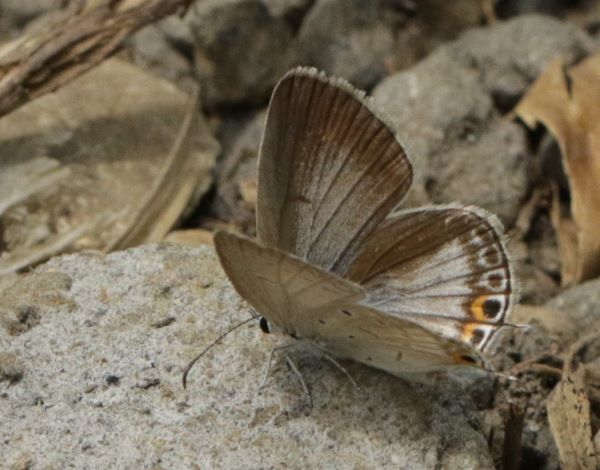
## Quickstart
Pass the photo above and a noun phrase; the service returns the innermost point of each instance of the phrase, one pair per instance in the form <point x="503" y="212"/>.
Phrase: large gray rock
<point x="350" y="39"/>
<point x="582" y="304"/>
<point x="96" y="380"/>
<point x="155" y="47"/>
<point x="447" y="110"/>
<point x="460" y="148"/>
<point x="507" y="57"/>
<point x="241" y="50"/>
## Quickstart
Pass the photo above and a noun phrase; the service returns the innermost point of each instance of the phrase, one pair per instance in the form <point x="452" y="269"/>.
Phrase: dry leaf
<point x="177" y="185"/>
<point x="248" y="191"/>
<point x="569" y="415"/>
<point x="100" y="175"/>
<point x="567" y="104"/>
<point x="193" y="237"/>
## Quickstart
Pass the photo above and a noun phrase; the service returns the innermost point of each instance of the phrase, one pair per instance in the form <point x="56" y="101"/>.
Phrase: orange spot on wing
<point x="471" y="334"/>
<point x="468" y="330"/>
<point x="477" y="308"/>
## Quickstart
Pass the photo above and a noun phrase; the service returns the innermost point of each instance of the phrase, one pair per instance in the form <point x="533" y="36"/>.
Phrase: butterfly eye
<point x="264" y="325"/>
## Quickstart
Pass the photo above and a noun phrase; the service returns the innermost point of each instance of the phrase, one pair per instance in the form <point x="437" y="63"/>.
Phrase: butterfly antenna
<point x="205" y="350"/>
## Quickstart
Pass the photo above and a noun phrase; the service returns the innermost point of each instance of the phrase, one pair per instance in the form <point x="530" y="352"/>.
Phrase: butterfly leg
<point x="342" y="368"/>
<point x="299" y="374"/>
<point x="270" y="363"/>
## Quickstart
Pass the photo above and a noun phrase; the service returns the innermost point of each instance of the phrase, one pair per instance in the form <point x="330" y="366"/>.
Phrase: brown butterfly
<point x="334" y="265"/>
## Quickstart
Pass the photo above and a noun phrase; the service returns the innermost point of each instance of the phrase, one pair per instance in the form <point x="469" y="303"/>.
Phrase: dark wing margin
<point x="330" y="170"/>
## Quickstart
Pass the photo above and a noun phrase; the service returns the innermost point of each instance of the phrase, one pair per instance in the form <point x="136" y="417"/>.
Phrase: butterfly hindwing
<point x="320" y="307"/>
<point x="329" y="171"/>
<point x="369" y="335"/>
<point x="445" y="265"/>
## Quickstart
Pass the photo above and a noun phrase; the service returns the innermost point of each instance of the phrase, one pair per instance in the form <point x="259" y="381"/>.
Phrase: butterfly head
<point x="264" y="325"/>
<point x="268" y="327"/>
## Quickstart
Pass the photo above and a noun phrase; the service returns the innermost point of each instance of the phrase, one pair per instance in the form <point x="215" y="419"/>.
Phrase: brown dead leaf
<point x="569" y="414"/>
<point x="567" y="104"/>
<point x="248" y="192"/>
<point x="193" y="237"/>
<point x="114" y="173"/>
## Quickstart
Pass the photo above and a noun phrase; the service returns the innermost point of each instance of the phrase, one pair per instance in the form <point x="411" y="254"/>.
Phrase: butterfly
<point x="335" y="265"/>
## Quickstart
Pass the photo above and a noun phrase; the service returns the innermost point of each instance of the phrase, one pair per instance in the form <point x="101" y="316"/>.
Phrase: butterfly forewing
<point x="318" y="306"/>
<point x="280" y="287"/>
<point x="447" y="266"/>
<point x="330" y="170"/>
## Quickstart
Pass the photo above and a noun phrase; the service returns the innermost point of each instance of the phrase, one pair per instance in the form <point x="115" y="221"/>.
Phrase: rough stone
<point x="582" y="304"/>
<point x="152" y="50"/>
<point x="20" y="12"/>
<point x="349" y="39"/>
<point x="489" y="170"/>
<point x="510" y="55"/>
<point x="101" y="383"/>
<point x="292" y="10"/>
<point x="454" y="137"/>
<point x="238" y="166"/>
<point x="241" y="51"/>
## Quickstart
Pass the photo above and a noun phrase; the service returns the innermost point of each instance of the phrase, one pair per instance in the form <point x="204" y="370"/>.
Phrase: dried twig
<point x="513" y="432"/>
<point x="45" y="61"/>
<point x="536" y="364"/>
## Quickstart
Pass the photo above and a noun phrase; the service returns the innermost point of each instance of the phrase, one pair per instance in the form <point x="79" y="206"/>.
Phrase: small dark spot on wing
<point x="495" y="280"/>
<point x="346" y="312"/>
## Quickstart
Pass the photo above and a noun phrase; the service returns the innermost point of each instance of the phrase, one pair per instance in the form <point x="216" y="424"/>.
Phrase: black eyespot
<point x="491" y="308"/>
<point x="264" y="325"/>
<point x="346" y="312"/>
<point x="322" y="321"/>
<point x="477" y="337"/>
